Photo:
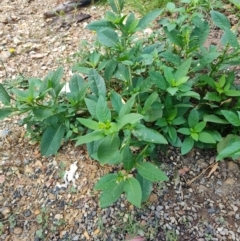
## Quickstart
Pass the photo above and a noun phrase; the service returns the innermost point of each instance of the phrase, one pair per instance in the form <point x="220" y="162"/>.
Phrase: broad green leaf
<point x="76" y="83"/>
<point x="208" y="58"/>
<point x="200" y="126"/>
<point x="116" y="101"/>
<point x="127" y="158"/>
<point x="131" y="23"/>
<point x="106" y="182"/>
<point x="169" y="76"/>
<point x="131" y="118"/>
<point x="172" y="133"/>
<point x="4" y="96"/>
<point x="122" y="73"/>
<point x="170" y="6"/>
<point x="231" y="38"/>
<point x="193" y="118"/>
<point x="154" y="113"/>
<point x="93" y="125"/>
<point x="220" y="20"/>
<point x="231" y="117"/>
<point x="116" y="5"/>
<point x="98" y="85"/>
<point x="148" y="18"/>
<point x="232" y="93"/>
<point x="222" y="81"/>
<point x="5" y="112"/>
<point x="199" y="35"/>
<point x="81" y="69"/>
<point x="236" y="3"/>
<point x="127" y="107"/>
<point x="184" y="131"/>
<point x="187" y="145"/>
<point x="181" y="81"/>
<point x="178" y="121"/>
<point x="107" y="148"/>
<point x="42" y="113"/>
<point x="162" y="122"/>
<point x="172" y="114"/>
<point x="133" y="191"/>
<point x="194" y="136"/>
<point x="116" y="159"/>
<point x="150" y="100"/>
<point x="227" y="141"/>
<point x="229" y="151"/>
<point x="94" y="58"/>
<point x="55" y="80"/>
<point x="91" y="105"/>
<point x="158" y="80"/>
<point x="100" y="25"/>
<point x="208" y="80"/>
<point x="102" y="111"/>
<point x="151" y="172"/>
<point x="21" y="95"/>
<point x="174" y="36"/>
<point x="110" y="69"/>
<point x="51" y="140"/>
<point x="111" y="195"/>
<point x="192" y="94"/>
<point x="146" y="186"/>
<point x="206" y="137"/>
<point x="183" y="69"/>
<point x="149" y="135"/>
<point x="108" y="37"/>
<point x="172" y="90"/>
<point x="171" y="57"/>
<point x="212" y="96"/>
<point x="93" y="136"/>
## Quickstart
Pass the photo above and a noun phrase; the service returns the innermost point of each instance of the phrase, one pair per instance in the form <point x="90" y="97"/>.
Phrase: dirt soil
<point x="196" y="204"/>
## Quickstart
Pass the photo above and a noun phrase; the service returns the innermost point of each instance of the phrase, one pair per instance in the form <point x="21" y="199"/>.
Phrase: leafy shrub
<point x="142" y="92"/>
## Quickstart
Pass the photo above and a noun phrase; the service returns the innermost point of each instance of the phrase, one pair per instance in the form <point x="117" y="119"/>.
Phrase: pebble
<point x="27" y="213"/>
<point x="17" y="230"/>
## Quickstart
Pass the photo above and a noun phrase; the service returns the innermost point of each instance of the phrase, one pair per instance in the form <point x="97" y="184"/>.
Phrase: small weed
<point x="171" y="235"/>
<point x="62" y="171"/>
<point x="1" y="228"/>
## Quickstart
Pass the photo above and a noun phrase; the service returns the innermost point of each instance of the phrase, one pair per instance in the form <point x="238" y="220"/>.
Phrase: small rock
<point x="159" y="208"/>
<point x="233" y="167"/>
<point x="37" y="56"/>
<point x="27" y="213"/>
<point x="229" y="181"/>
<point x="5" y="212"/>
<point x="153" y="198"/>
<point x="202" y="188"/>
<point x="17" y="230"/>
<point x="5" y="55"/>
<point x="235" y="208"/>
<point x="76" y="238"/>
<point x="58" y="216"/>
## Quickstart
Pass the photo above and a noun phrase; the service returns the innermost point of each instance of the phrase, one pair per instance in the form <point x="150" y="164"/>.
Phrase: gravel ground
<point x="193" y="205"/>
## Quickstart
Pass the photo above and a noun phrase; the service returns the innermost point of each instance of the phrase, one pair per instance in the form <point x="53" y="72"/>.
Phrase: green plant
<point x="1" y="228"/>
<point x="131" y="227"/>
<point x="235" y="3"/>
<point x="43" y="220"/>
<point x="171" y="235"/>
<point x="142" y="92"/>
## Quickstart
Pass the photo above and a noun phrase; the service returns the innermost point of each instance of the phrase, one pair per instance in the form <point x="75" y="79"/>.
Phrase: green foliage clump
<point x="143" y="91"/>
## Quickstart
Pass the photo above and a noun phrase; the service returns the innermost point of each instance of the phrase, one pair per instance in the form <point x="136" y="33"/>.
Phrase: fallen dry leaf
<point x="137" y="238"/>
<point x="183" y="171"/>
<point x="86" y="235"/>
<point x="2" y="179"/>
<point x="214" y="168"/>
